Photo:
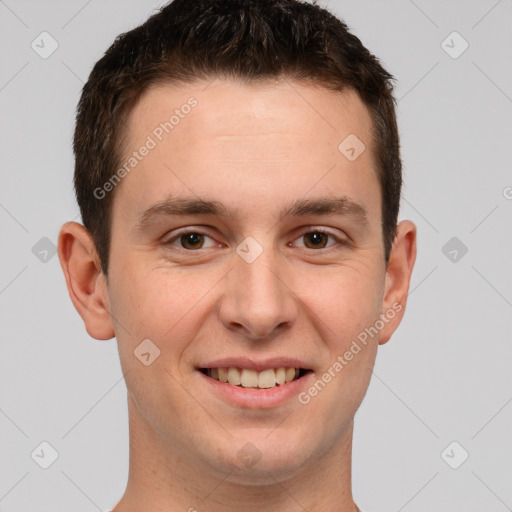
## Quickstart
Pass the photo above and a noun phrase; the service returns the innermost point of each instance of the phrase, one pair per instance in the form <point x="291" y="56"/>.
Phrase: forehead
<point x="234" y="109"/>
<point x="273" y="139"/>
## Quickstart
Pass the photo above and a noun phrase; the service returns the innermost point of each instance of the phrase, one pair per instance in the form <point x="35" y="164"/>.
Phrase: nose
<point x="258" y="301"/>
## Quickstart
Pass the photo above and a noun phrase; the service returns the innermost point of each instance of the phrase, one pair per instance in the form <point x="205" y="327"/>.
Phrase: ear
<point x="86" y="283"/>
<point x="398" y="276"/>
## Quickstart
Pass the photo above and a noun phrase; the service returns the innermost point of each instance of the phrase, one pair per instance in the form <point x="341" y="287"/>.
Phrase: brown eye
<point x="192" y="241"/>
<point x="316" y="239"/>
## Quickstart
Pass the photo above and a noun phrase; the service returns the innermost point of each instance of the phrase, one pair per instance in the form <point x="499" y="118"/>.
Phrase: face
<point x="246" y="244"/>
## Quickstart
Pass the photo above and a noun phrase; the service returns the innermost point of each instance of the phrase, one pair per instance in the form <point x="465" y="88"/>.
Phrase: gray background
<point x="446" y="374"/>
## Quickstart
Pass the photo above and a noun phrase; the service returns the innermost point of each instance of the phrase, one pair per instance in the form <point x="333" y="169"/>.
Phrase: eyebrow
<point x="182" y="206"/>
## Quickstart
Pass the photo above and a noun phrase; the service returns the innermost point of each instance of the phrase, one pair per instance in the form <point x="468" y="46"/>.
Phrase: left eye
<point x="191" y="240"/>
<point x="317" y="239"/>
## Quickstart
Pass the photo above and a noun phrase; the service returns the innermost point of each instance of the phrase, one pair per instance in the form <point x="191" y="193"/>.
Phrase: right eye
<point x="190" y="240"/>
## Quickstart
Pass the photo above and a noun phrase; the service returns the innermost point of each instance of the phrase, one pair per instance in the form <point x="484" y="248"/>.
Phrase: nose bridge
<point x="257" y="299"/>
<point x="261" y="279"/>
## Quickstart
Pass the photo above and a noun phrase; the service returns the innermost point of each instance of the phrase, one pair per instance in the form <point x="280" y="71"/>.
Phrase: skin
<point x="256" y="149"/>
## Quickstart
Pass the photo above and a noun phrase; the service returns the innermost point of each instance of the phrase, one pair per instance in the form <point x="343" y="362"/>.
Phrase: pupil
<point x="316" y="238"/>
<point x="191" y="239"/>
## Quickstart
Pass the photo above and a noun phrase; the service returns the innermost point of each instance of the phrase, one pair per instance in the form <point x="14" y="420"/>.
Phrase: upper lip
<point x="255" y="364"/>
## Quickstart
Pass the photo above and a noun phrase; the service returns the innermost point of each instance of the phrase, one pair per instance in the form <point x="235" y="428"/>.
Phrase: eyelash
<point x="339" y="241"/>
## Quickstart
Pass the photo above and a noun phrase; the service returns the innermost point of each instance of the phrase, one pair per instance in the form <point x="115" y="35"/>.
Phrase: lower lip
<point x="256" y="398"/>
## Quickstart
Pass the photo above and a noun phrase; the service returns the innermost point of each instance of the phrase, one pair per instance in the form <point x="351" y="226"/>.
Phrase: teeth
<point x="223" y="375"/>
<point x="234" y="376"/>
<point x="290" y="374"/>
<point x="267" y="379"/>
<point x="249" y="378"/>
<point x="252" y="379"/>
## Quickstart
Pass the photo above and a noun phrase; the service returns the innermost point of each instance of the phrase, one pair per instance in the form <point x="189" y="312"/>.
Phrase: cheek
<point x="347" y="301"/>
<point x="349" y="305"/>
<point x="163" y="308"/>
<point x="159" y="304"/>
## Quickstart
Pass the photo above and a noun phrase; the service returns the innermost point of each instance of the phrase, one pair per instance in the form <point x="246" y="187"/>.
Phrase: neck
<point x="163" y="476"/>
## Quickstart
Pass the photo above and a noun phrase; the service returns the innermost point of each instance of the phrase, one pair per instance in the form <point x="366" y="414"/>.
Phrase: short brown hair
<point x="253" y="40"/>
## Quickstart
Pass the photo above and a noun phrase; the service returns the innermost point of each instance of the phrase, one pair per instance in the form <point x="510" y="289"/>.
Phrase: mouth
<point x="251" y="378"/>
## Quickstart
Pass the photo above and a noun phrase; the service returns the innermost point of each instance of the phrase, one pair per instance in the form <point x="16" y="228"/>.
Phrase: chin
<point x="261" y="459"/>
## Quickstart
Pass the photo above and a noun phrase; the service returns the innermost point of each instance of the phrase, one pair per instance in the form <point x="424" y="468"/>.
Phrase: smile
<point x="250" y="378"/>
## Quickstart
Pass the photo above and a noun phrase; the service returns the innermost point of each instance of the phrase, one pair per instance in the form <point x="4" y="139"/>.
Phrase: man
<point x="238" y="174"/>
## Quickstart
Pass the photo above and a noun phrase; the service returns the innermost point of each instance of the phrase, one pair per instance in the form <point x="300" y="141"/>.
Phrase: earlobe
<point x="398" y="277"/>
<point x="86" y="284"/>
